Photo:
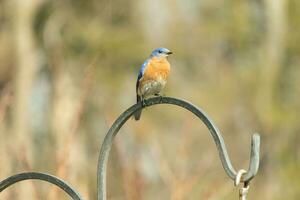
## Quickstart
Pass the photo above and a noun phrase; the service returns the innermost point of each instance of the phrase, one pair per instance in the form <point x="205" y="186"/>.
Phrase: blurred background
<point x="68" y="69"/>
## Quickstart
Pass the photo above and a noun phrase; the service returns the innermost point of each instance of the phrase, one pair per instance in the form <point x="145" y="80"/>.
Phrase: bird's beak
<point x="170" y="52"/>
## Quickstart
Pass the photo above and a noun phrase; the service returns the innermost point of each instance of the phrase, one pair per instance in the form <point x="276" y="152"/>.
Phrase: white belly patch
<point x="152" y="87"/>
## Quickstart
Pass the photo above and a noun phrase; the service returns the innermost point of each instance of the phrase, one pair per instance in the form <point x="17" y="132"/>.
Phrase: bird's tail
<point x="137" y="114"/>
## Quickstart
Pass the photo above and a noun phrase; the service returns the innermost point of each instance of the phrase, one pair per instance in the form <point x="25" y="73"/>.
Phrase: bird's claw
<point x="143" y="103"/>
<point x="161" y="97"/>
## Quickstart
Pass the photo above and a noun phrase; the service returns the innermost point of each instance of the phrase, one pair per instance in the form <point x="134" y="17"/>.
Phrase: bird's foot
<point x="161" y="97"/>
<point x="143" y="101"/>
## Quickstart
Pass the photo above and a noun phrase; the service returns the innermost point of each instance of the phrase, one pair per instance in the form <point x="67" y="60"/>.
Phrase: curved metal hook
<point x="225" y="160"/>
<point x="40" y="176"/>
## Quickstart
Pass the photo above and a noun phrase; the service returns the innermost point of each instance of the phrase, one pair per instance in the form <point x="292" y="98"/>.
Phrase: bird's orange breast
<point x="157" y="69"/>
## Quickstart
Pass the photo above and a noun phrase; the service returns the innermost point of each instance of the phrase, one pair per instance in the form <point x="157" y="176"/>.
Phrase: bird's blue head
<point x="161" y="52"/>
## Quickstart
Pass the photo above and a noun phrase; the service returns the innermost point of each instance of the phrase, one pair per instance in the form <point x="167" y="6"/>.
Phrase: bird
<point x="152" y="76"/>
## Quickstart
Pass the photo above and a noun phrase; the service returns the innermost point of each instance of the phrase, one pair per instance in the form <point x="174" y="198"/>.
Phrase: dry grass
<point x="237" y="60"/>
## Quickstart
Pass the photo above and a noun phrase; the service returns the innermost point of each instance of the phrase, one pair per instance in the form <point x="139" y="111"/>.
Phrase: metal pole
<point x="40" y="176"/>
<point x="215" y="133"/>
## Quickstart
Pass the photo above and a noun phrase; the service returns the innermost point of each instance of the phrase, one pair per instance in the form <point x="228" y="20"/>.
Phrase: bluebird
<point x="153" y="76"/>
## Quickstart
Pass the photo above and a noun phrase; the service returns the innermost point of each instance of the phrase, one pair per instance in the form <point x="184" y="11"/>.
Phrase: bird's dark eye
<point x="160" y="51"/>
